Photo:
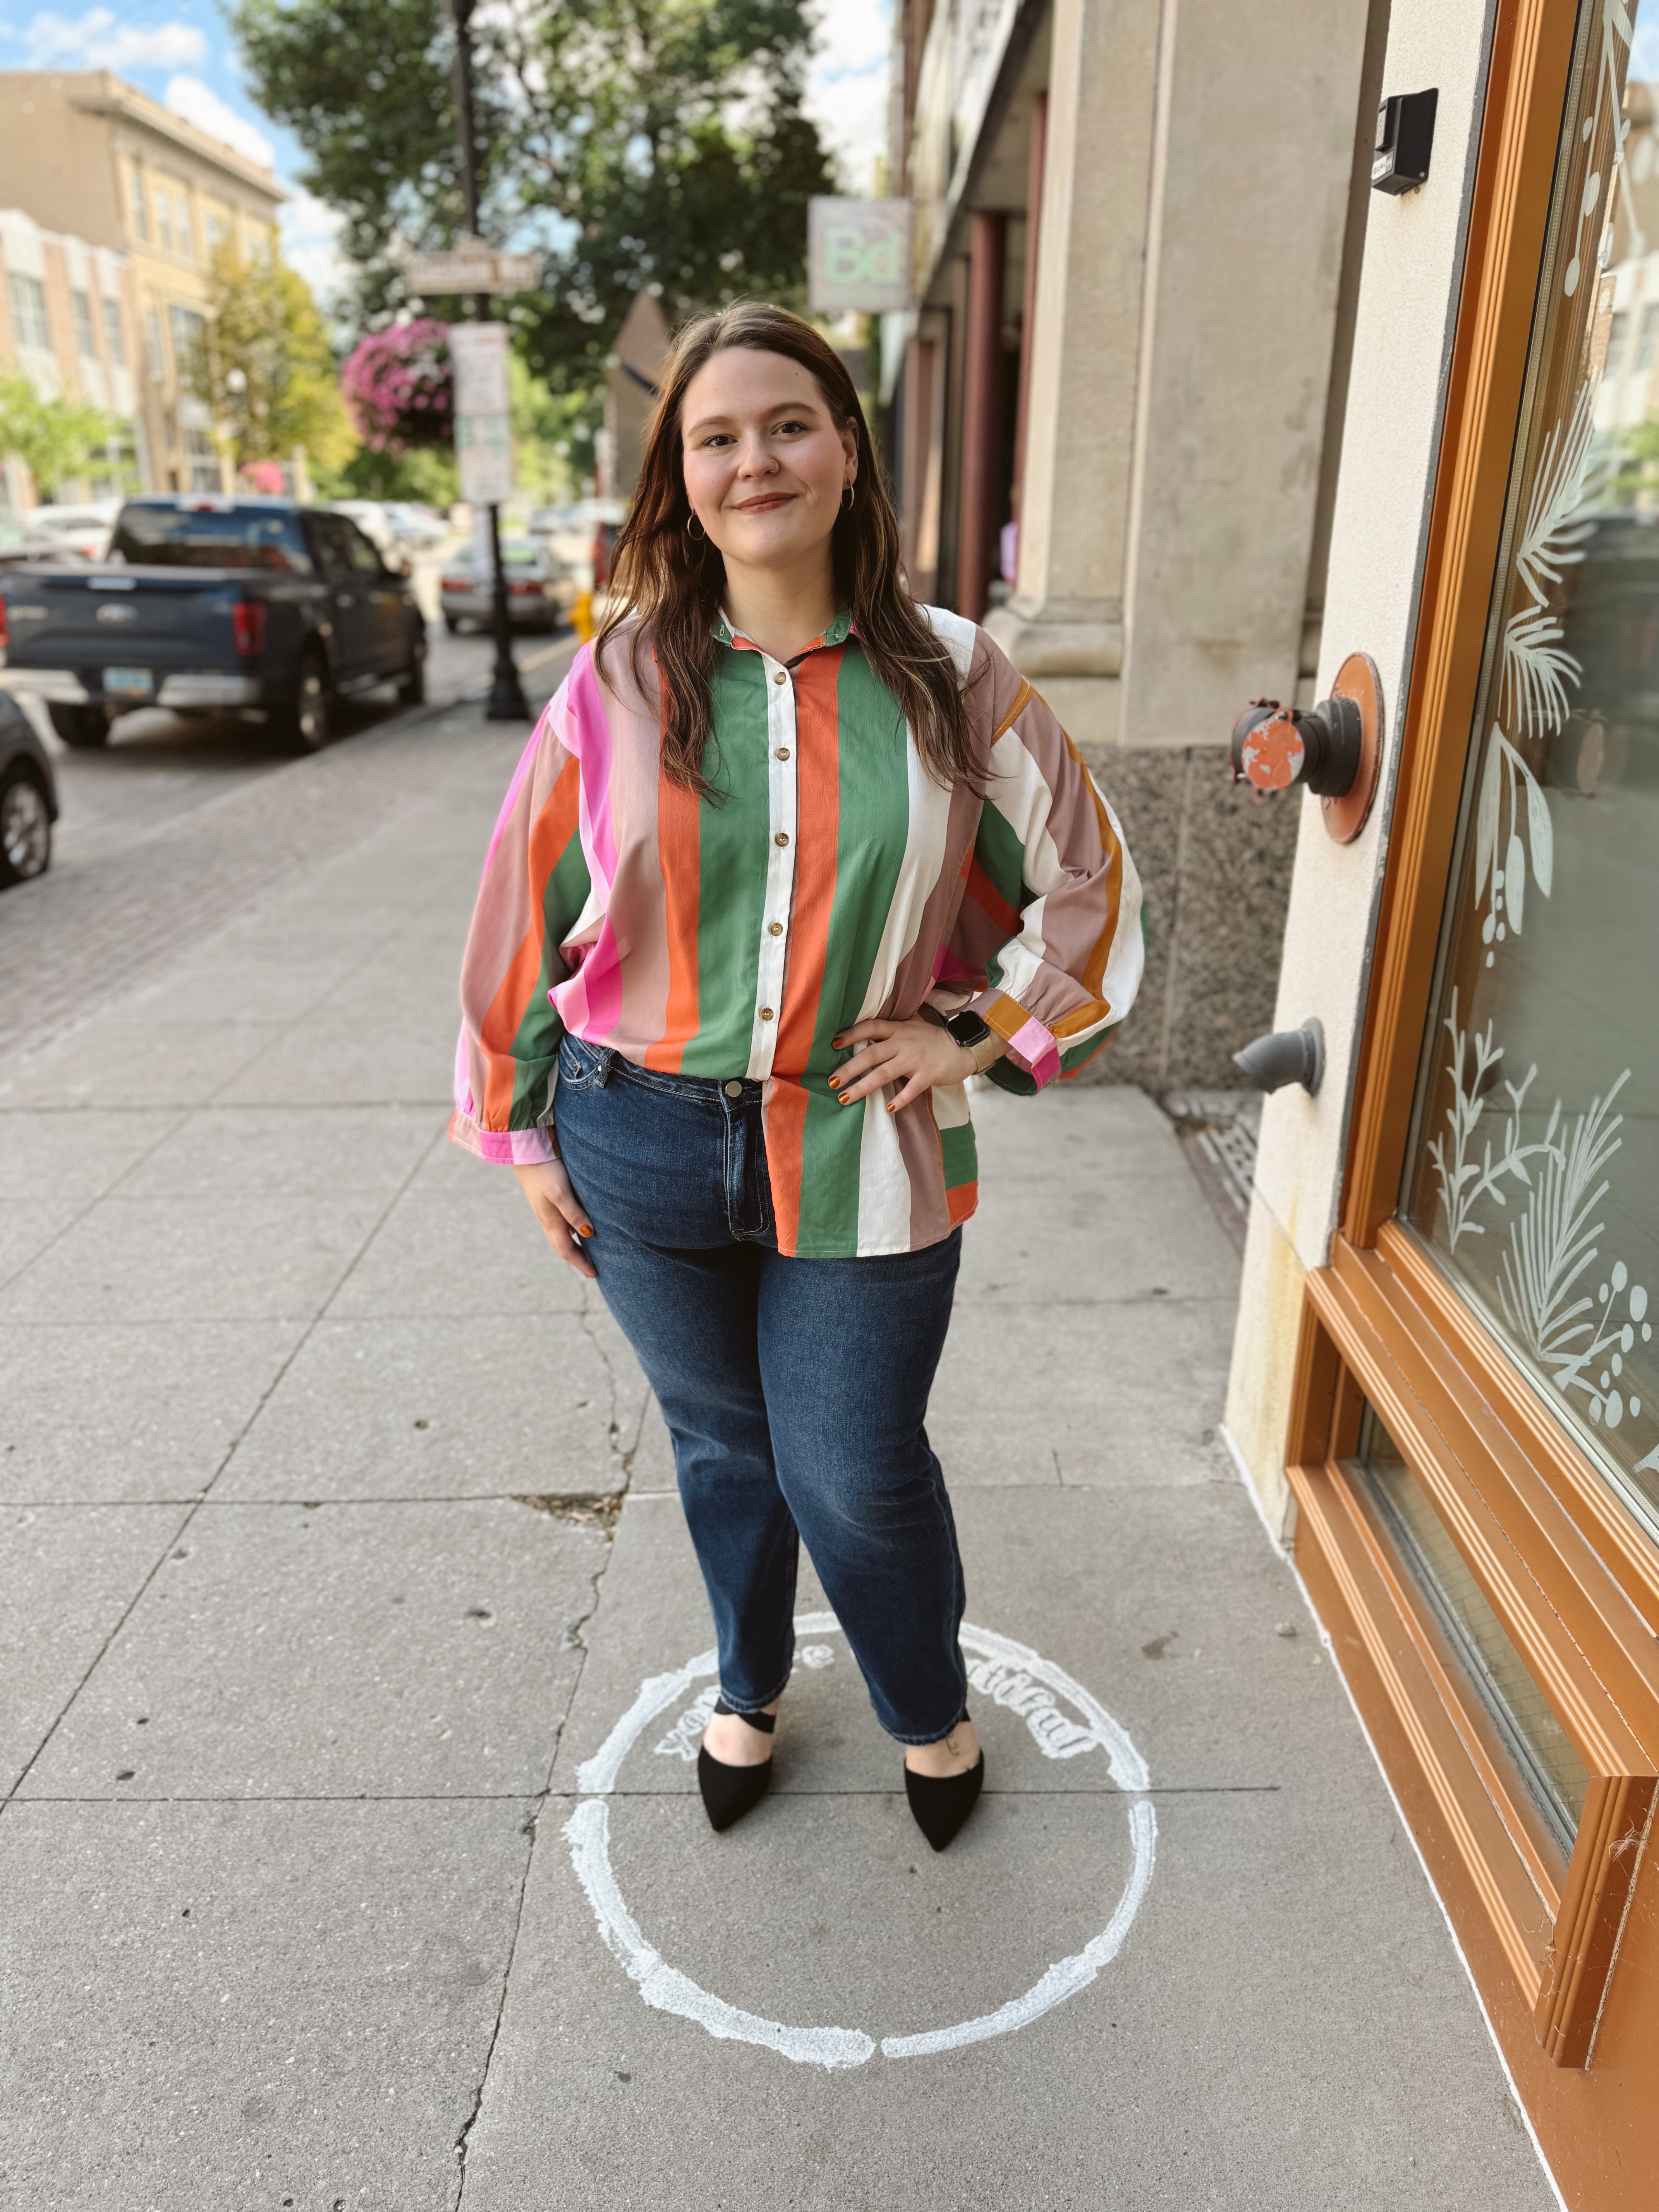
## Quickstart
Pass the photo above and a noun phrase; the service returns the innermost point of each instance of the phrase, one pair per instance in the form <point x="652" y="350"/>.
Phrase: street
<point x="355" y="1654"/>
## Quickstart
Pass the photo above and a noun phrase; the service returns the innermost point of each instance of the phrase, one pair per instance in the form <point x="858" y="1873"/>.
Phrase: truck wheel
<point x="25" y="827"/>
<point x="411" y="684"/>
<point x="80" y="726"/>
<point x="303" y="720"/>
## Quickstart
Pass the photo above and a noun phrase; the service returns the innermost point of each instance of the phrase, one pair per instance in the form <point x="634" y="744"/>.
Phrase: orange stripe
<point x="960" y="1200"/>
<point x="678" y="820"/>
<point x="550" y="834"/>
<point x="785" y="1130"/>
<point x="1023" y="699"/>
<point x="1095" y="966"/>
<point x="818" y="759"/>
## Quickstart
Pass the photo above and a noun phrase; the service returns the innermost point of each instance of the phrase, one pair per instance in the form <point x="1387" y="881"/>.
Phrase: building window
<point x="184" y="227"/>
<point x="1647" y="337"/>
<point x="155" y="358"/>
<point x="84" y="338"/>
<point x="216" y="223"/>
<point x="29" y="311"/>
<point x="202" y="458"/>
<point x="139" y="203"/>
<point x="189" y="335"/>
<point x="115" y="346"/>
<point x="164" y="215"/>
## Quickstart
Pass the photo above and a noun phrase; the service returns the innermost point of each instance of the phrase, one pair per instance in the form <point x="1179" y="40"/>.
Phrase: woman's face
<point x="765" y="465"/>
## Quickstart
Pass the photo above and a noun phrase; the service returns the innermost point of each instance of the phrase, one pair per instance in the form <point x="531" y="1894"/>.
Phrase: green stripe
<point x="536" y="1044"/>
<point x="1002" y="856"/>
<point x="960" y="1154"/>
<point x="874" y="806"/>
<point x="733" y="847"/>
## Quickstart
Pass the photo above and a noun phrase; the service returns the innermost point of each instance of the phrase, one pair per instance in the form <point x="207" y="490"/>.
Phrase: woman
<point x="787" y="859"/>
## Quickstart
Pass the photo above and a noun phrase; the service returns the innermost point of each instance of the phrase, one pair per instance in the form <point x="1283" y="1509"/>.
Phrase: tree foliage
<point x="638" y="142"/>
<point x="57" y="441"/>
<point x="265" y="371"/>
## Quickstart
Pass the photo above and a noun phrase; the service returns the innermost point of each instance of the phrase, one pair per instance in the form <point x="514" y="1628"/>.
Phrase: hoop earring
<point x="847" y="497"/>
<point x="700" y="536"/>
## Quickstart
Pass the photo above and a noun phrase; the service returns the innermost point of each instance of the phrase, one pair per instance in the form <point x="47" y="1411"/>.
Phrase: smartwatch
<point x="976" y="1036"/>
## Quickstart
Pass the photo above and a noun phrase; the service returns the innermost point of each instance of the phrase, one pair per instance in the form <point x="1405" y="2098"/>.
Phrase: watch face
<point x="968" y="1029"/>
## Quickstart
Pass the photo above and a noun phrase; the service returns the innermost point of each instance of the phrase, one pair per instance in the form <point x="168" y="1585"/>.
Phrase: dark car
<point x="29" y="797"/>
<point x="259" y="604"/>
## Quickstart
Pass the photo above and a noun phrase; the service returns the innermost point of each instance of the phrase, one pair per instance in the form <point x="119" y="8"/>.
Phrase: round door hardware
<point x="1334" y="750"/>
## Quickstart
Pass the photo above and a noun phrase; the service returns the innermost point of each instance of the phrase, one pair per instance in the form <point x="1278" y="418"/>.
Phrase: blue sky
<point x="180" y="52"/>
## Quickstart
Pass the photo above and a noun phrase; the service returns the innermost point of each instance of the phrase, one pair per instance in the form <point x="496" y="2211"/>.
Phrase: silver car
<point x="538" y="587"/>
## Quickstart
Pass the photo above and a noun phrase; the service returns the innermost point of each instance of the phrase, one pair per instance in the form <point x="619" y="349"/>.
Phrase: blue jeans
<point x="794" y="1389"/>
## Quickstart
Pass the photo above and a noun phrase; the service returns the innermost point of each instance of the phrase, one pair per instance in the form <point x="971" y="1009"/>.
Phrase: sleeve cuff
<point x="1030" y="1044"/>
<point x="517" y="1148"/>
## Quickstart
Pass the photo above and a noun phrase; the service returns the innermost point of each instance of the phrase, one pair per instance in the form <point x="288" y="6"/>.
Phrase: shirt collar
<point x="724" y="633"/>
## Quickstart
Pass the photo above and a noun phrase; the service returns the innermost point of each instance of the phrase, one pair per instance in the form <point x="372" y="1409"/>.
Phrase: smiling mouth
<point x="764" y="505"/>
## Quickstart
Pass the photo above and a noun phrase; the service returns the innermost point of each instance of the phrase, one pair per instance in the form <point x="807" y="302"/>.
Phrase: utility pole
<point x="507" y="701"/>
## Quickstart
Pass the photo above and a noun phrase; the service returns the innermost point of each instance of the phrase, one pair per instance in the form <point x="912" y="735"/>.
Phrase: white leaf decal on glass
<point x="1540" y="837"/>
<point x="1514" y="882"/>
<point x="1485" y="827"/>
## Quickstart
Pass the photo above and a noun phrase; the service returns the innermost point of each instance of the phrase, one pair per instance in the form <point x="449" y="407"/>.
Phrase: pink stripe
<point x="1033" y="1044"/>
<point x="516" y="1148"/>
<point x="590" y="1001"/>
<point x="588" y="736"/>
<point x="526" y="761"/>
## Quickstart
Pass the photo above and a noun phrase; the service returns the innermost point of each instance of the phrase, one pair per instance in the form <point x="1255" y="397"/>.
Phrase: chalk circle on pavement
<point x="1012" y="1675"/>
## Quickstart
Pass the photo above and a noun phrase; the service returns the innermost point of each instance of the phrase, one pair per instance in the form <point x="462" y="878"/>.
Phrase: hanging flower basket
<point x="399" y="387"/>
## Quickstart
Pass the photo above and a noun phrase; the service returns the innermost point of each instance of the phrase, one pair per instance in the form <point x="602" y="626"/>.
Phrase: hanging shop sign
<point x="858" y="255"/>
<point x="484" y="412"/>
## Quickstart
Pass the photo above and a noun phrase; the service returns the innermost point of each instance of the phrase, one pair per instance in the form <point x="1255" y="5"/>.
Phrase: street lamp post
<point x="507" y="701"/>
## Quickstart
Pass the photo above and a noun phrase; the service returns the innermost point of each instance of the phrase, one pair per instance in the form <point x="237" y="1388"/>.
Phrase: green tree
<point x="266" y="370"/>
<point x="643" y="141"/>
<point x="57" y="441"/>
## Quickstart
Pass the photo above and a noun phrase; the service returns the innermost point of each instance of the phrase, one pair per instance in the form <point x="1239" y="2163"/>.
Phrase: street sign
<point x="483" y="453"/>
<point x="471" y="267"/>
<point x="478" y="354"/>
<point x="858" y="255"/>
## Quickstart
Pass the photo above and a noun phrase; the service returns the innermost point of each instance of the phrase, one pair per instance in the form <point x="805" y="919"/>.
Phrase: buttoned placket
<point x="782" y="794"/>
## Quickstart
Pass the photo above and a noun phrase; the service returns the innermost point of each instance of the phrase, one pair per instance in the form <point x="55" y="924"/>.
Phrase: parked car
<point x="210" y="602"/>
<point x="84" y="531"/>
<point x="414" y="525"/>
<point x="538" y="587"/>
<point x="29" y="797"/>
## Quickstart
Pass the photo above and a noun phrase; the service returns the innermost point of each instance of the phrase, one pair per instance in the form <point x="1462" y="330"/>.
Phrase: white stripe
<point x="883" y="1185"/>
<point x="918" y="876"/>
<point x="951" y="1108"/>
<point x="782" y="788"/>
<point x="957" y="633"/>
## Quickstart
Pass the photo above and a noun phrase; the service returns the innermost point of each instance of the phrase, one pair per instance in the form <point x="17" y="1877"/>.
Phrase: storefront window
<point x="1475" y="1639"/>
<point x="1533" y="1169"/>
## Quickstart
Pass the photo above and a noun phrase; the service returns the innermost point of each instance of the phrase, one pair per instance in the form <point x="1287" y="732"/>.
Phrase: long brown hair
<point x="670" y="583"/>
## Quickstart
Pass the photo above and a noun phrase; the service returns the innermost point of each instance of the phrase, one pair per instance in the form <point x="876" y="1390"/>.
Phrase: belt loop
<point x="607" y="1061"/>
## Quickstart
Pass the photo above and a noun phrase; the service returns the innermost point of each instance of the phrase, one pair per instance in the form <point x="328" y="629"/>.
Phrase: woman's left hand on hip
<point x="917" y="1053"/>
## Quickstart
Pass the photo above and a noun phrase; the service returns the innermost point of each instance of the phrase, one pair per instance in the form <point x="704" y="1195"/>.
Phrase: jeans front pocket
<point x="581" y="1065"/>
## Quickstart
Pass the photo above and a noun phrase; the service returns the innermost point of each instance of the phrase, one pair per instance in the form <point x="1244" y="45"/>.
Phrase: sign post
<point x="484" y="434"/>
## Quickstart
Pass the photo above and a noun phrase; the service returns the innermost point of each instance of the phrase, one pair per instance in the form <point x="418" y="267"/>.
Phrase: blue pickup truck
<point x="207" y="604"/>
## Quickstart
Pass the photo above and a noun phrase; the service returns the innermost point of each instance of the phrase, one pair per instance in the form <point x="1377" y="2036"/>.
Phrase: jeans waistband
<point x="602" y="1064"/>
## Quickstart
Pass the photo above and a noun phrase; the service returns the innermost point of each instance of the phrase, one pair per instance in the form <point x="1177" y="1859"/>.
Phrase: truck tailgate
<point x="162" y="618"/>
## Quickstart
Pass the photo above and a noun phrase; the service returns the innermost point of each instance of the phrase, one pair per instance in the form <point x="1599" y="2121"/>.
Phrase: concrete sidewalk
<point x="351" y="1851"/>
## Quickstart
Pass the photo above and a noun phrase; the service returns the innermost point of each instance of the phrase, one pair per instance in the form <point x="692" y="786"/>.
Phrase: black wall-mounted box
<point x="1405" y="137"/>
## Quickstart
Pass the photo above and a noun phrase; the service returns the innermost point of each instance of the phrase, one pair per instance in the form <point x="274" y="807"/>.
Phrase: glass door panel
<point x="1533" y="1168"/>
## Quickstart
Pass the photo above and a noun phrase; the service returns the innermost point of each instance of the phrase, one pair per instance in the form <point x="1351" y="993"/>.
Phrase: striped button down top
<point x="830" y="880"/>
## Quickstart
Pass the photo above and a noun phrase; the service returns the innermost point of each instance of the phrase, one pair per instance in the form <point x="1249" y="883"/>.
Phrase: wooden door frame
<point x="1573" y="1579"/>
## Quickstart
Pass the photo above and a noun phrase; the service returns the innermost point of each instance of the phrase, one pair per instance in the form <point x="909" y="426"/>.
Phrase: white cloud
<point x="846" y="85"/>
<point x="98" y="40"/>
<point x="311" y="245"/>
<point x="187" y="96"/>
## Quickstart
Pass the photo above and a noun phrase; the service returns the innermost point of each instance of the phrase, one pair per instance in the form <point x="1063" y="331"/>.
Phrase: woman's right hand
<point x="560" y="1213"/>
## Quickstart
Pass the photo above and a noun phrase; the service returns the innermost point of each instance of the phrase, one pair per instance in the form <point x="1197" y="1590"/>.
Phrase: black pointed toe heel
<point x="939" y="1804"/>
<point x="729" y="1792"/>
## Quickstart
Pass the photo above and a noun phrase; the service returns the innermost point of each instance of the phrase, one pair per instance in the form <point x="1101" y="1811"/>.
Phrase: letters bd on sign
<point x="858" y="255"/>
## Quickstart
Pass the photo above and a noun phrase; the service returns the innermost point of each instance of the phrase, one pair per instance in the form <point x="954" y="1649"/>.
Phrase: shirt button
<point x="783" y="752"/>
<point x="766" y="1013"/>
<point x="782" y="837"/>
<point x="774" y="929"/>
<point x="734" y="1090"/>
<point x="780" y="677"/>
